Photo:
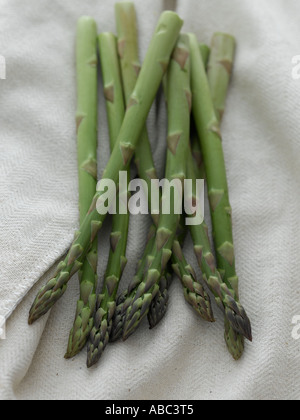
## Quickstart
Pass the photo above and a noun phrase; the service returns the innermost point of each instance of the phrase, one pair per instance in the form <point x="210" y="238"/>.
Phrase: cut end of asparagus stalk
<point x="86" y="20"/>
<point x="224" y="35"/>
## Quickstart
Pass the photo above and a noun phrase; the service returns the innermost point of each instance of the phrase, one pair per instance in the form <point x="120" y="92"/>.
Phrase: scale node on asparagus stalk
<point x="178" y="139"/>
<point x="211" y="145"/>
<point x="220" y="69"/>
<point x="128" y="50"/>
<point x="115" y="106"/>
<point x="144" y="93"/>
<point x="86" y="58"/>
<point x="219" y="74"/>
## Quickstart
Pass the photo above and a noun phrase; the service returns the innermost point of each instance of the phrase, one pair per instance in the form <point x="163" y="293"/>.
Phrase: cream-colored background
<point x="183" y="358"/>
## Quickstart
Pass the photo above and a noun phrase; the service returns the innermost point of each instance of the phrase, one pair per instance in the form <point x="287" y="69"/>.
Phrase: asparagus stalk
<point x="196" y="149"/>
<point x="115" y="106"/>
<point x="178" y="139"/>
<point x="124" y="300"/>
<point x="155" y="65"/>
<point x="159" y="305"/>
<point x="130" y="68"/>
<point x="210" y="138"/>
<point x="206" y="259"/>
<point x="86" y="53"/>
<point x="128" y="50"/>
<point x="129" y="58"/>
<point x="220" y="70"/>
<point x="205" y="53"/>
<point x="219" y="73"/>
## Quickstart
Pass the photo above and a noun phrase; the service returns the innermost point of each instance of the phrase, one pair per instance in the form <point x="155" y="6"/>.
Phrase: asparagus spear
<point x="115" y="106"/>
<point x="205" y="53"/>
<point x="128" y="50"/>
<point x="149" y="80"/>
<point x="123" y="301"/>
<point x="179" y="100"/>
<point x="219" y="73"/>
<point x="130" y="65"/>
<point x="223" y="48"/>
<point x="220" y="70"/>
<point x="86" y="52"/>
<point x="159" y="304"/>
<point x="210" y="138"/>
<point x="196" y="149"/>
<point x="206" y="260"/>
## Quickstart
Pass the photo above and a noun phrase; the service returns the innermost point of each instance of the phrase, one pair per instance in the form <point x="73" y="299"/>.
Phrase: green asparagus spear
<point x="235" y="341"/>
<point x="128" y="49"/>
<point x="124" y="300"/>
<point x="220" y="70"/>
<point x="179" y="100"/>
<point x="155" y="65"/>
<point x="159" y="304"/>
<point x="86" y="53"/>
<point x="205" y="53"/>
<point x="219" y="73"/>
<point x="115" y="106"/>
<point x="196" y="149"/>
<point x="204" y="253"/>
<point x="210" y="138"/>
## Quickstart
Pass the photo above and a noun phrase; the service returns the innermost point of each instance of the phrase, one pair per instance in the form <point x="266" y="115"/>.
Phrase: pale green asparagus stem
<point x="86" y="59"/>
<point x="210" y="138"/>
<point x="196" y="149"/>
<point x="179" y="103"/>
<point x="220" y="69"/>
<point x="219" y="74"/>
<point x="130" y="67"/>
<point x="155" y="65"/>
<point x="115" y="107"/>
<point x="205" y="53"/>
<point x="206" y="259"/>
<point x="129" y="57"/>
<point x="124" y="300"/>
<point x="130" y="64"/>
<point x="128" y="50"/>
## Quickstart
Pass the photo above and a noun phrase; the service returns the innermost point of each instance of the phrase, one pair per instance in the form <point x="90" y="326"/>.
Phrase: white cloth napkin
<point x="183" y="358"/>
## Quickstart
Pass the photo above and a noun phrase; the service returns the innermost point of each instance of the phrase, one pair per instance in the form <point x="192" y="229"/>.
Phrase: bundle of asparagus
<point x="195" y="79"/>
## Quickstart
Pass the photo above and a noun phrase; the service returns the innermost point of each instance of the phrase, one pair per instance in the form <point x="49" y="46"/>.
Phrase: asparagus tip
<point x="69" y="356"/>
<point x="91" y="361"/>
<point x="32" y="317"/>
